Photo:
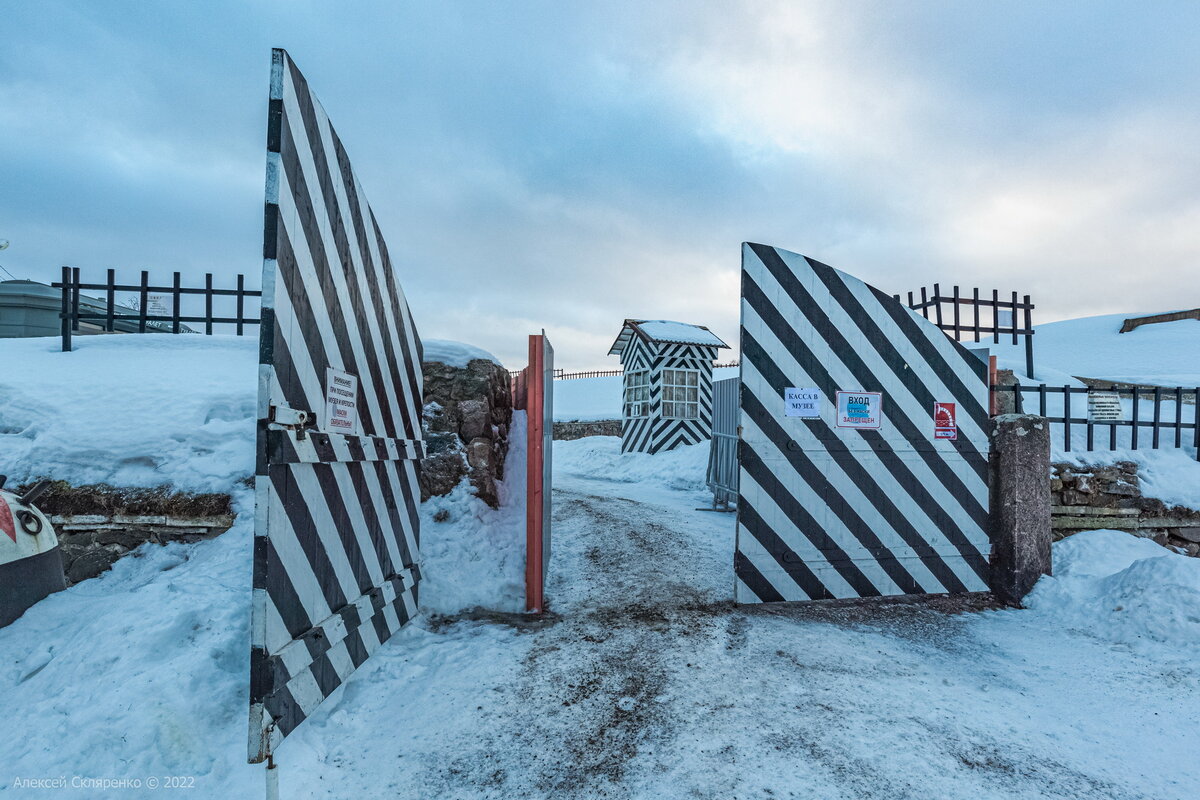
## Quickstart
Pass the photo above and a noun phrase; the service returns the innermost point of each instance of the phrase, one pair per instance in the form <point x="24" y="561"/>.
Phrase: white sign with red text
<point x="945" y="424"/>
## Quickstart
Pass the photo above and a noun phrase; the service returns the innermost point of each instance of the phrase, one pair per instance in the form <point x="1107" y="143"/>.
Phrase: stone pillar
<point x="1020" y="504"/>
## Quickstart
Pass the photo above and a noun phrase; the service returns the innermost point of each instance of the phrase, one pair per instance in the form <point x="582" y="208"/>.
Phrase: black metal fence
<point x="978" y="316"/>
<point x="1149" y="416"/>
<point x="111" y="316"/>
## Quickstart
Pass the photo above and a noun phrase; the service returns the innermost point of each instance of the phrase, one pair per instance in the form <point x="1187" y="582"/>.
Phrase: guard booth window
<point x="637" y="393"/>
<point x="681" y="398"/>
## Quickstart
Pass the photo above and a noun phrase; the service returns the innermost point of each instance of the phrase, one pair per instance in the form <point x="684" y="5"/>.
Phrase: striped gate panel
<point x="834" y="512"/>
<point x="336" y="525"/>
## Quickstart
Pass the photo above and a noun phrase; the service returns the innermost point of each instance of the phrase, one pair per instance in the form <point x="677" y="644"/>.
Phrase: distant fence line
<point x="959" y="316"/>
<point x="560" y="375"/>
<point x="1158" y="398"/>
<point x="108" y="312"/>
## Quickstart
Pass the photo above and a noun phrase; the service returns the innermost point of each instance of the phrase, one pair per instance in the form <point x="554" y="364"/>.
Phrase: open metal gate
<point x="339" y="404"/>
<point x="863" y="454"/>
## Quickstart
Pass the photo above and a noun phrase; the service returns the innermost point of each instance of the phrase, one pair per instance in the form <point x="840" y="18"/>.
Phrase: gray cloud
<point x="565" y="166"/>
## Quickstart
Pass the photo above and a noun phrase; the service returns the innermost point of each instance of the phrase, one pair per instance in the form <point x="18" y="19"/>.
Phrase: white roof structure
<point x="665" y="331"/>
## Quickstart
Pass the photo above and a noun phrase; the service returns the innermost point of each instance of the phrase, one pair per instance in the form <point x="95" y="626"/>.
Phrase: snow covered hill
<point x="1165" y="354"/>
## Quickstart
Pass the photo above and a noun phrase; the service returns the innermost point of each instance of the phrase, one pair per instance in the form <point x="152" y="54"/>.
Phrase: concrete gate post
<point x="1020" y="504"/>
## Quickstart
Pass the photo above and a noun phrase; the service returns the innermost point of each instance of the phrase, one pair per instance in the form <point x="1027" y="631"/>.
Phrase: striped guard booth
<point x="336" y="526"/>
<point x="865" y="494"/>
<point x="666" y="384"/>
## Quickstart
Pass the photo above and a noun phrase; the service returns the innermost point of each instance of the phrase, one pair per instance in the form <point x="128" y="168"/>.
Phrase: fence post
<point x="1020" y="505"/>
<point x="143" y="299"/>
<point x="75" y="281"/>
<point x="208" y="297"/>
<point x="175" y="306"/>
<point x="1028" y="336"/>
<point x="65" y="313"/>
<point x="111" y="299"/>
<point x="1067" y="418"/>
<point x="240" y="291"/>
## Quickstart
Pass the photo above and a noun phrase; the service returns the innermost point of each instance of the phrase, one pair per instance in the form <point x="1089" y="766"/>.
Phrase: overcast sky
<point x="567" y="165"/>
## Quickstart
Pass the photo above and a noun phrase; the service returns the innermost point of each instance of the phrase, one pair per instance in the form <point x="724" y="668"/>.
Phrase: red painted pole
<point x="535" y="392"/>
<point x="991" y="386"/>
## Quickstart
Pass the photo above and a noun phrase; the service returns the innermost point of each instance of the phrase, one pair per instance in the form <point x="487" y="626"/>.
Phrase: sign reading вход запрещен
<point x="341" y="401"/>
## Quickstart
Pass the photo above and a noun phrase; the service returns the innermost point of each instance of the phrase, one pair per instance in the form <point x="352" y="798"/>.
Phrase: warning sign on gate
<point x="859" y="410"/>
<point x="341" y="401"/>
<point x="944" y="424"/>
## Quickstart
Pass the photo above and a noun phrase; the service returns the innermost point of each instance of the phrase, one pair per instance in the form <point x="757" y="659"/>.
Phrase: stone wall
<point x="98" y="524"/>
<point x="466" y="420"/>
<point x="91" y="543"/>
<point x="1089" y="498"/>
<point x="567" y="431"/>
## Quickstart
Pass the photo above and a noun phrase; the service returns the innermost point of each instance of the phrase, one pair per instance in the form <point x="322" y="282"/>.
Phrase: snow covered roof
<point x="664" y="330"/>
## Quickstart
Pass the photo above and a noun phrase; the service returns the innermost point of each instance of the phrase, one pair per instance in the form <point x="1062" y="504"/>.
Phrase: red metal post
<point x="992" y="386"/>
<point x="535" y="394"/>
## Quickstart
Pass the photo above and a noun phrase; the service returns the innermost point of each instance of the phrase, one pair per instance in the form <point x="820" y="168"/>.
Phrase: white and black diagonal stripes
<point x="828" y="512"/>
<point x="653" y="432"/>
<point x="336" y="525"/>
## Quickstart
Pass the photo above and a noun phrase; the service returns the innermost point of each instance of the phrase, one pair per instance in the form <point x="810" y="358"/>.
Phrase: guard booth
<point x="667" y="384"/>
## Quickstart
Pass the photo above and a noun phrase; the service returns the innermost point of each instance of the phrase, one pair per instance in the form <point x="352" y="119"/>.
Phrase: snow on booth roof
<point x="665" y="330"/>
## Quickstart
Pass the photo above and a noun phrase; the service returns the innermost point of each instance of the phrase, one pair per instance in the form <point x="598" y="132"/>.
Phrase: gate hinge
<point x="284" y="418"/>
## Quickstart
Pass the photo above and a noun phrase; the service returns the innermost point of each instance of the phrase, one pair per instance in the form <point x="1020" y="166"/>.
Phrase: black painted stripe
<point x="790" y="562"/>
<point x="399" y="372"/>
<point x="311" y="228"/>
<point x="356" y="320"/>
<point x="305" y="530"/>
<point x="744" y="569"/>
<point x="905" y="373"/>
<point x="857" y="474"/>
<point x="803" y="520"/>
<point x="809" y="362"/>
<point x="813" y="475"/>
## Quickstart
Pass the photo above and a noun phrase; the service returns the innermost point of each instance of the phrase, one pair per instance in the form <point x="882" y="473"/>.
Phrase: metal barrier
<point x="722" y="455"/>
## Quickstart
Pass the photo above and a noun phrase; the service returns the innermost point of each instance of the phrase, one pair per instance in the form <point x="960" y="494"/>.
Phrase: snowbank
<point x="1170" y="475"/>
<point x="139" y="672"/>
<point x="1120" y="588"/>
<point x="600" y="458"/>
<point x="454" y="354"/>
<point x="475" y="557"/>
<point x="130" y="410"/>
<point x="1167" y="354"/>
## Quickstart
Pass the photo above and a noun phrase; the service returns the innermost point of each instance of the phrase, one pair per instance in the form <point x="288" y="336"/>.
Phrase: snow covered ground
<point x="130" y="410"/>
<point x="644" y="682"/>
<point x="1166" y="353"/>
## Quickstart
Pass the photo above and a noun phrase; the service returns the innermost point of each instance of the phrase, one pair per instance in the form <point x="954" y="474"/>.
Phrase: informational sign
<point x="1105" y="407"/>
<point x="341" y="401"/>
<point x="805" y="403"/>
<point x="158" y="305"/>
<point x="1004" y="319"/>
<point x="945" y="425"/>
<point x="859" y="410"/>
